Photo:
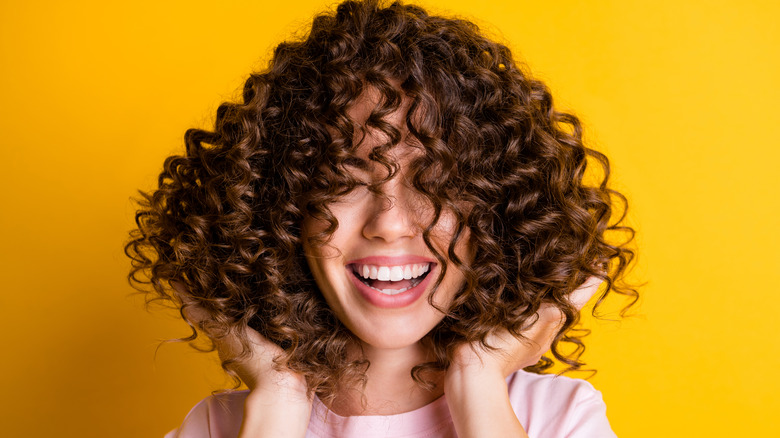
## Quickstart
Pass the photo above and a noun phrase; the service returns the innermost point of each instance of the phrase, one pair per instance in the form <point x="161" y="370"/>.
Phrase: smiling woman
<point x="388" y="232"/>
<point x="376" y="272"/>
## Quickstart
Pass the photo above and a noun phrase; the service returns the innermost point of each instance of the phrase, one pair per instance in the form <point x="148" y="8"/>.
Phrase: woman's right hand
<point x="278" y="404"/>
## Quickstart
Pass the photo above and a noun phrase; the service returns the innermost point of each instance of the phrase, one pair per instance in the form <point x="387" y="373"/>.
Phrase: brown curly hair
<point x="225" y="221"/>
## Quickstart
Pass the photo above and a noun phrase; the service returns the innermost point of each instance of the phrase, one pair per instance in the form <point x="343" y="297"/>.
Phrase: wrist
<point x="280" y="389"/>
<point x="269" y="413"/>
<point x="478" y="399"/>
<point x="470" y="380"/>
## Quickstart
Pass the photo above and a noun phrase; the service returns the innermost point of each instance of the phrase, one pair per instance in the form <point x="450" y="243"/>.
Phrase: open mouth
<point x="391" y="280"/>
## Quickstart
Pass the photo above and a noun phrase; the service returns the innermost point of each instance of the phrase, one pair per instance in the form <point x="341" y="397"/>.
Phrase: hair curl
<point x="225" y="220"/>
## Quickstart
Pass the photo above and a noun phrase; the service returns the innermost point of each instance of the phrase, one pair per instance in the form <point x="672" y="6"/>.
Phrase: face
<point x="376" y="273"/>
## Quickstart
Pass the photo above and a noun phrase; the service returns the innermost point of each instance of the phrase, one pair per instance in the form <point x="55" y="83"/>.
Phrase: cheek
<point x="316" y="241"/>
<point x="317" y="253"/>
<point x="324" y="253"/>
<point x="454" y="278"/>
<point x="443" y="233"/>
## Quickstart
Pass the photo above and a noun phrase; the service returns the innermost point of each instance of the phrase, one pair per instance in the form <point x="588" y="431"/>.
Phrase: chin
<point x="394" y="333"/>
<point x="385" y="343"/>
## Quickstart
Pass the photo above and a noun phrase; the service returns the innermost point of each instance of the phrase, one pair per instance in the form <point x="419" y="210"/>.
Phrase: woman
<point x="385" y="237"/>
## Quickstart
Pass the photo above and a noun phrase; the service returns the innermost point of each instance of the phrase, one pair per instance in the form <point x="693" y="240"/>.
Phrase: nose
<point x="392" y="214"/>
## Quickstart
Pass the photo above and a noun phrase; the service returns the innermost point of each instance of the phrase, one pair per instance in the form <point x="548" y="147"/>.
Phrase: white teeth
<point x="391" y="291"/>
<point x="392" y="273"/>
<point x="396" y="273"/>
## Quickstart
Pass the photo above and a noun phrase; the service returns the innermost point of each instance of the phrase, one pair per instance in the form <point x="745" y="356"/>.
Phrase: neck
<point x="390" y="388"/>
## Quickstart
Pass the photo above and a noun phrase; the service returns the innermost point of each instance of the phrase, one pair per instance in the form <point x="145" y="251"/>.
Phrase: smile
<point x="391" y="280"/>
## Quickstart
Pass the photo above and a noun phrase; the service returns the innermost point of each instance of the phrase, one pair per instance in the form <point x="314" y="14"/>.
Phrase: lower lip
<point x="396" y="301"/>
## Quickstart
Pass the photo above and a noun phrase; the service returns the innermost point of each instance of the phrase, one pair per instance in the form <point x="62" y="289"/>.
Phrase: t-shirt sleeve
<point x="588" y="417"/>
<point x="218" y="416"/>
<point x="550" y="406"/>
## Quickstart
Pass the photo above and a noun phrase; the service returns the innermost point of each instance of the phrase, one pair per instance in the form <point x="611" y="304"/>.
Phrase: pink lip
<point x="397" y="301"/>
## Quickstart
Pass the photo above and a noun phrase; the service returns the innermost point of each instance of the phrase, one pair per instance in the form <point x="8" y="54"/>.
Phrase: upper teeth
<point x="392" y="273"/>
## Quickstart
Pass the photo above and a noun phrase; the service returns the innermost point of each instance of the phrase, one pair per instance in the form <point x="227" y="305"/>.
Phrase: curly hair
<point x="225" y="221"/>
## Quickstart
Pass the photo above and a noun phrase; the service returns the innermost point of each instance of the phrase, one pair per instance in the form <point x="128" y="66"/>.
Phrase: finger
<point x="540" y="334"/>
<point x="194" y="312"/>
<point x="580" y="296"/>
<point x="228" y="344"/>
<point x="551" y="318"/>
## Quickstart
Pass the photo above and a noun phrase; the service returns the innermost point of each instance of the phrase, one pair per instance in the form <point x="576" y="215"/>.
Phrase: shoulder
<point x="551" y="387"/>
<point x="552" y="405"/>
<point x="217" y="416"/>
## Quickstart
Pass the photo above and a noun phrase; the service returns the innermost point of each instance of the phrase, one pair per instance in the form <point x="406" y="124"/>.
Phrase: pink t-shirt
<point x="547" y="406"/>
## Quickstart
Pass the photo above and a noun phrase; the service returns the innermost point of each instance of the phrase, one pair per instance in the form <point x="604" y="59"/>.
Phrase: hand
<point x="475" y="383"/>
<point x="254" y="369"/>
<point x="513" y="353"/>
<point x="278" y="403"/>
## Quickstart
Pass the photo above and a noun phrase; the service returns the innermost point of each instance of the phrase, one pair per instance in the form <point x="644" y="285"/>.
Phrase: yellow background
<point x="681" y="95"/>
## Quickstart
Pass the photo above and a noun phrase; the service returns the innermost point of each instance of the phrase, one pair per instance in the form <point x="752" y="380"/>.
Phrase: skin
<point x="390" y="224"/>
<point x="387" y="224"/>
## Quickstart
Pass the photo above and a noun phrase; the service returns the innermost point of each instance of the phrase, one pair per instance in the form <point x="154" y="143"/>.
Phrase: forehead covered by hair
<point x="457" y="92"/>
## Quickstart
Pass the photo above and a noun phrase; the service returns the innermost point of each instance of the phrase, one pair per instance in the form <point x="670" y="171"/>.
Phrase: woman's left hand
<point x="513" y="353"/>
<point x="475" y="383"/>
